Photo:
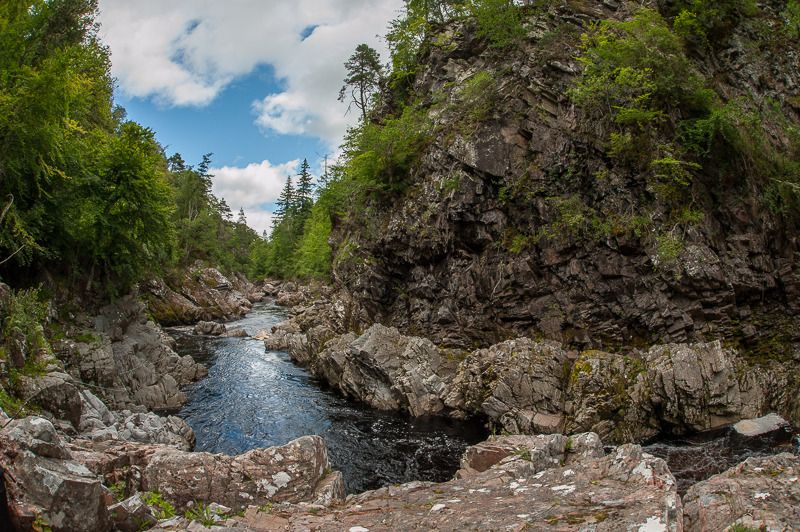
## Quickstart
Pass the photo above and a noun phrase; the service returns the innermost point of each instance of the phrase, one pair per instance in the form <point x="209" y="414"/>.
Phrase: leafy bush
<point x="792" y="16"/>
<point x="498" y="21"/>
<point x="22" y="327"/>
<point x="711" y="19"/>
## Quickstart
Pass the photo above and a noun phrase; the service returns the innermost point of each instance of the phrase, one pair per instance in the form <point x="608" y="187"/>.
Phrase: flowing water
<point x="257" y="398"/>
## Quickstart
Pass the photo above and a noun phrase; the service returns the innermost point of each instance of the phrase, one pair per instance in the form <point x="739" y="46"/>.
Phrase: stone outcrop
<point x="128" y="360"/>
<point x="210" y="328"/>
<point x="504" y="229"/>
<point x="201" y="294"/>
<point x="518" y="383"/>
<point x="62" y="484"/>
<point x="43" y="484"/>
<point x="541" y="485"/>
<point x="526" y="386"/>
<point x="758" y="494"/>
<point x="287" y="473"/>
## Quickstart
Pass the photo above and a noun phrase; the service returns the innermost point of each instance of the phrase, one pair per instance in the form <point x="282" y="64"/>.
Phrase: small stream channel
<point x="257" y="398"/>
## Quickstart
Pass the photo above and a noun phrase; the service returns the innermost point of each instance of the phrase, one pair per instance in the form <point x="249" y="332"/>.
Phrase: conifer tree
<point x="304" y="193"/>
<point x="364" y="74"/>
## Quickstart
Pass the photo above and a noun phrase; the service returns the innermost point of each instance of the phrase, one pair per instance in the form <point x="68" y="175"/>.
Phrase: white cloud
<point x="185" y="52"/>
<point x="252" y="187"/>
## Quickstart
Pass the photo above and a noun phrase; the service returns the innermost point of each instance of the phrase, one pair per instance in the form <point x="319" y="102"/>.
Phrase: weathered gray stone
<point x="132" y="514"/>
<point x="43" y="482"/>
<point x="769" y="426"/>
<point x="287" y="473"/>
<point x="760" y="493"/>
<point x="210" y="328"/>
<point x="518" y="384"/>
<point x="626" y="490"/>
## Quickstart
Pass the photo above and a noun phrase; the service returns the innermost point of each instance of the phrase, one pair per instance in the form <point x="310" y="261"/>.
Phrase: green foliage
<point x="380" y="156"/>
<point x="498" y="21"/>
<point x="792" y="16"/>
<point x="668" y="248"/>
<point x="23" y="340"/>
<point x="162" y="508"/>
<point x="475" y="99"/>
<point x="637" y="72"/>
<point x="201" y="513"/>
<point x="710" y="20"/>
<point x="313" y="255"/>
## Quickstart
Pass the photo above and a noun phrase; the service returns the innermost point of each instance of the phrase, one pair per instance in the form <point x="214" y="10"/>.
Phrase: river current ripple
<point x="258" y="398"/>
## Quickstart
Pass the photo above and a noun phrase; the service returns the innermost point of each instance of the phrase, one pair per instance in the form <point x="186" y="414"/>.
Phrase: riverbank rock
<point x="388" y="371"/>
<point x="44" y="485"/>
<point x="768" y="429"/>
<point x="758" y="494"/>
<point x="518" y="383"/>
<point x="291" y="472"/>
<point x="98" y="423"/>
<point x="129" y="361"/>
<point x="625" y="490"/>
<point x="210" y="328"/>
<point x="201" y="294"/>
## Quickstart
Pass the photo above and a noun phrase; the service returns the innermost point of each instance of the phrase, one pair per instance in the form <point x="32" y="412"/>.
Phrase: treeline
<point x="89" y="197"/>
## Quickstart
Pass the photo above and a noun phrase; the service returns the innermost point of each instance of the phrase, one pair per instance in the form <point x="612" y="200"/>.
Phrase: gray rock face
<point x="518" y="383"/>
<point x="130" y="361"/>
<point x="769" y="426"/>
<point x="98" y="423"/>
<point x="494" y="237"/>
<point x="759" y="493"/>
<point x="203" y="294"/>
<point x="626" y="490"/>
<point x="43" y="481"/>
<point x="55" y="392"/>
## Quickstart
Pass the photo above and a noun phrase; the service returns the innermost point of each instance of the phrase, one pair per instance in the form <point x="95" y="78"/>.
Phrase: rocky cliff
<point x="518" y="220"/>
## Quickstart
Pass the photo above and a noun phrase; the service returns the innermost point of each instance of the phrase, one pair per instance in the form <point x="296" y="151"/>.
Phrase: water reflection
<point x="252" y="398"/>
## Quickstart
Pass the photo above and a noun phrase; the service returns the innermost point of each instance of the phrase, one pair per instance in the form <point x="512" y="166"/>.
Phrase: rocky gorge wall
<point x="506" y="230"/>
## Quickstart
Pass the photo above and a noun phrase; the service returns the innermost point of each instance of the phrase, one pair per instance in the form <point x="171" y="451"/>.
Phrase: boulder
<point x="131" y="515"/>
<point x="55" y="392"/>
<point x="210" y="328"/>
<point x="765" y="430"/>
<point x="517" y="384"/>
<point x="758" y="494"/>
<point x="44" y="485"/>
<point x="236" y="333"/>
<point x="388" y="370"/>
<point x="290" y="472"/>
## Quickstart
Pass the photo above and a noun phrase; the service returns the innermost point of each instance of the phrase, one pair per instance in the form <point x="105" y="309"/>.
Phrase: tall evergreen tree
<point x="305" y="188"/>
<point x="285" y="204"/>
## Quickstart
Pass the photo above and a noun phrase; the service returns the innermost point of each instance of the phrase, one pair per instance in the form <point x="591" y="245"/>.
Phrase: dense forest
<point x="89" y="197"/>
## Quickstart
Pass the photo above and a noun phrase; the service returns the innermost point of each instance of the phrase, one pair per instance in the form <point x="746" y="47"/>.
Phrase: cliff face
<point x="518" y="222"/>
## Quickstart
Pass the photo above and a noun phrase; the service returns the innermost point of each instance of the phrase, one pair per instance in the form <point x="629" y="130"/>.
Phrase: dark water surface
<point x="695" y="458"/>
<point x="257" y="398"/>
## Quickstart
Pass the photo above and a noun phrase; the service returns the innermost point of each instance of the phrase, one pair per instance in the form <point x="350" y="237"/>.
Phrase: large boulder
<point x="291" y="472"/>
<point x="210" y="328"/>
<point x="388" y="370"/>
<point x="44" y="485"/>
<point x="55" y="392"/>
<point x="758" y="494"/>
<point x="518" y="384"/>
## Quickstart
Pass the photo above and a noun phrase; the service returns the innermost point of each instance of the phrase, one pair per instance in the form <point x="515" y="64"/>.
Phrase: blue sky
<point x="254" y="82"/>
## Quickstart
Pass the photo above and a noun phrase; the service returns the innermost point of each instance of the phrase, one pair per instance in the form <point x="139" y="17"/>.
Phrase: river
<point x="258" y="398"/>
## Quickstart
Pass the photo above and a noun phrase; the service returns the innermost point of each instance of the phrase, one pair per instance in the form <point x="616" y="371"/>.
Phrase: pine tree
<point x="364" y="74"/>
<point x="285" y="204"/>
<point x="305" y="189"/>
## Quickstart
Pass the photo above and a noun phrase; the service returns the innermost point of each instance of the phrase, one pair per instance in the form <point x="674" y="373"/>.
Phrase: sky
<point x="255" y="82"/>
